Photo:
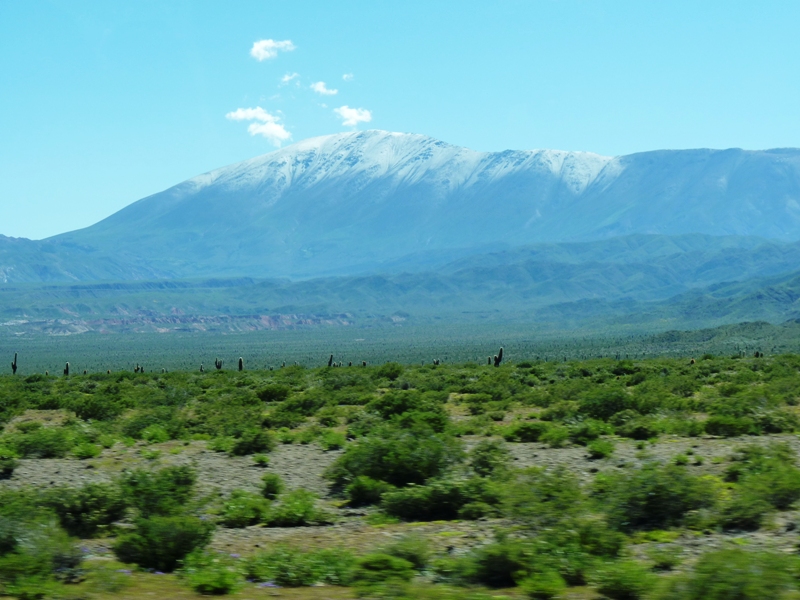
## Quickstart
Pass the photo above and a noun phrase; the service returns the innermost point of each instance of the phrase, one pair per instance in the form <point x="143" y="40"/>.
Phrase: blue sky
<point x="103" y="103"/>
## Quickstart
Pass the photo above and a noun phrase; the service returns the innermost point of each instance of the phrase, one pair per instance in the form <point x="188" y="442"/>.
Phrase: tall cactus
<point x="14" y="365"/>
<point x="241" y="364"/>
<point x="66" y="370"/>
<point x="499" y="358"/>
<point x="330" y="361"/>
<point x="218" y="364"/>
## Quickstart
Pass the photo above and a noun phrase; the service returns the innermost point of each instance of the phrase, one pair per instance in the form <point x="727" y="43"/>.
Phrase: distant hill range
<point x="384" y="227"/>
<point x="377" y="201"/>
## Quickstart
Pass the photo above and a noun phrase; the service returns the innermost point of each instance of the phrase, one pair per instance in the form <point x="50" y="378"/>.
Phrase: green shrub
<point x="735" y="574"/>
<point x="86" y="450"/>
<point x="439" y="500"/>
<point x="364" y="491"/>
<point x="160" y="543"/>
<point x="34" y="553"/>
<point x="84" y="511"/>
<point x="293" y="568"/>
<point x="527" y="431"/>
<point x="8" y="462"/>
<point x="489" y="457"/>
<point x="242" y="509"/>
<point x="556" y="437"/>
<point x="545" y="585"/>
<point x="729" y="426"/>
<point x="413" y="548"/>
<point x="296" y="508"/>
<point x="222" y="444"/>
<point x="624" y="580"/>
<point x="641" y="428"/>
<point x="604" y="403"/>
<point x="332" y="440"/>
<point x="540" y="499"/>
<point x="390" y="371"/>
<point x="155" y="434"/>
<point x="253" y="441"/>
<point x="274" y="393"/>
<point x="397" y="456"/>
<point x="42" y="443"/>
<point x="745" y="510"/>
<point x="588" y="430"/>
<point x="161" y="492"/>
<point x="212" y="573"/>
<point x="261" y="460"/>
<point x="380" y="568"/>
<point x="498" y="565"/>
<point x="600" y="449"/>
<point x="271" y="486"/>
<point x="654" y="497"/>
<point x="665" y="557"/>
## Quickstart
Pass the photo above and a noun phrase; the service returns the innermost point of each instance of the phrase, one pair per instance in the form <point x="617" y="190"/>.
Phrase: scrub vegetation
<point x="600" y="476"/>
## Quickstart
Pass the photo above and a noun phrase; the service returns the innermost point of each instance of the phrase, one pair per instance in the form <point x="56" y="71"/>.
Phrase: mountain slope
<point x="375" y="201"/>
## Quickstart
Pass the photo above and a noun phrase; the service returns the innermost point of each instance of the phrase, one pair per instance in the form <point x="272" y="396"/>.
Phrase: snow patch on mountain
<point x="404" y="158"/>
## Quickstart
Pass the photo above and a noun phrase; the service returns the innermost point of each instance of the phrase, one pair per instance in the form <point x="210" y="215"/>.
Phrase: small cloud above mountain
<point x="348" y="77"/>
<point x="264" y="124"/>
<point x="351" y="117"/>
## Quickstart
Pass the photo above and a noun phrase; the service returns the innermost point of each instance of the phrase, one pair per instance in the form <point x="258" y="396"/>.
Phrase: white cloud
<point x="265" y="124"/>
<point x="348" y="77"/>
<point x="264" y="49"/>
<point x="321" y="88"/>
<point x="351" y="117"/>
<point x="289" y="77"/>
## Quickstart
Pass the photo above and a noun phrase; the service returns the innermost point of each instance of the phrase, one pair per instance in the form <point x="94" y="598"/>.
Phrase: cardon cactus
<point x="241" y="364"/>
<point x="218" y="364"/>
<point x="66" y="370"/>
<point x="499" y="358"/>
<point x="330" y="361"/>
<point x="14" y="365"/>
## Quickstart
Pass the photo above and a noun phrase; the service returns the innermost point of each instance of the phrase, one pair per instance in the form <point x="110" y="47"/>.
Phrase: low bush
<point x="242" y="509"/>
<point x="364" y="491"/>
<point x="161" y="492"/>
<point x="730" y="426"/>
<point x="271" y="486"/>
<point x="332" y="440"/>
<point x="155" y="434"/>
<point x="499" y="565"/>
<point x="43" y="442"/>
<point x="556" y="437"/>
<point x="397" y="456"/>
<point x="253" y="441"/>
<point x="526" y="431"/>
<point x="86" y="450"/>
<point x="293" y="568"/>
<point x="624" y="580"/>
<point x="654" y="496"/>
<point x="600" y="449"/>
<point x="641" y="428"/>
<point x="161" y="543"/>
<point x="441" y="500"/>
<point x="379" y="568"/>
<point x="735" y="573"/>
<point x="83" y="512"/>
<point x="545" y="585"/>
<point x="296" y="508"/>
<point x="212" y="573"/>
<point x="588" y="430"/>
<point x="489" y="457"/>
<point x="8" y="462"/>
<point x="413" y="548"/>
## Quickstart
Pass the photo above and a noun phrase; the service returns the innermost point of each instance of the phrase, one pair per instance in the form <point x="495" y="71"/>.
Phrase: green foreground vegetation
<point x="430" y="443"/>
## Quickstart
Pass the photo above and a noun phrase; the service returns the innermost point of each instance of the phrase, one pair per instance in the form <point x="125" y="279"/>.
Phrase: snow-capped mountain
<point x="362" y="201"/>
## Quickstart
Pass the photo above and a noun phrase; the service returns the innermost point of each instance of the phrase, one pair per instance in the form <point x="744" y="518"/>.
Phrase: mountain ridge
<point x="371" y="201"/>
